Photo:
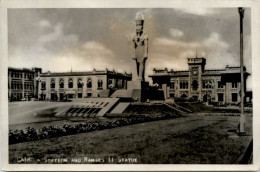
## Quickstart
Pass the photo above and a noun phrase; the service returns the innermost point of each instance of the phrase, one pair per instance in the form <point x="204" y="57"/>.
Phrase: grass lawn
<point x="185" y="140"/>
<point x="201" y="108"/>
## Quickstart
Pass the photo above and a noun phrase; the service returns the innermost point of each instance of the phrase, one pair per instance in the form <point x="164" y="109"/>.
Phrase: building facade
<point x="198" y="84"/>
<point x="69" y="85"/>
<point x="22" y="83"/>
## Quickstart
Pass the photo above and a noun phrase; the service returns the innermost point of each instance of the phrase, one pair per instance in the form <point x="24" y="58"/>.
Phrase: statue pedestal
<point x="138" y="88"/>
<point x="137" y="84"/>
<point x="139" y="91"/>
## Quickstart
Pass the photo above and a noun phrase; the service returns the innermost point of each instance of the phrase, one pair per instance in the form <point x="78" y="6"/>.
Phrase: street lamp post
<point x="38" y="79"/>
<point x="242" y="117"/>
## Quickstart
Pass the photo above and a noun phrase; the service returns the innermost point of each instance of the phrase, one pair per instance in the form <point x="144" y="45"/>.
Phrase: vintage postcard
<point x="130" y="85"/>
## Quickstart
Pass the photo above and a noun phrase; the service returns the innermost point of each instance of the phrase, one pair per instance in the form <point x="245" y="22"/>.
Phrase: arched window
<point x="100" y="84"/>
<point x="43" y="84"/>
<point x="70" y="83"/>
<point x="61" y="83"/>
<point x="80" y="83"/>
<point x="89" y="83"/>
<point x="52" y="83"/>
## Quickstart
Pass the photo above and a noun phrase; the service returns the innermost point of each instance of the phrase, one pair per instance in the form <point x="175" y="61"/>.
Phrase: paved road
<point x="38" y="114"/>
<point x="25" y="112"/>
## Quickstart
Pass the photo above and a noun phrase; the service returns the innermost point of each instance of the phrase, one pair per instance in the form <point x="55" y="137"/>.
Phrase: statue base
<point x="141" y="91"/>
<point x="137" y="84"/>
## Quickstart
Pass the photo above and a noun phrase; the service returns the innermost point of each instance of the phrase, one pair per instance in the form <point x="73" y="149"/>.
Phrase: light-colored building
<point x="69" y="85"/>
<point x="198" y="84"/>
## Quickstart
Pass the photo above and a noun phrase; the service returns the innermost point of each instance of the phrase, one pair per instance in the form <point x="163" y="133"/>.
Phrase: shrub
<point x="30" y="134"/>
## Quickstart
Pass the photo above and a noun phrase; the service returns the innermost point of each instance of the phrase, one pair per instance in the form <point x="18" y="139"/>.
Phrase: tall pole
<point x="242" y="117"/>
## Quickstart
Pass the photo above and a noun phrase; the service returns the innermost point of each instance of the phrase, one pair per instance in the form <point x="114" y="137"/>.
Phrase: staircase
<point x="91" y="107"/>
<point x="178" y="108"/>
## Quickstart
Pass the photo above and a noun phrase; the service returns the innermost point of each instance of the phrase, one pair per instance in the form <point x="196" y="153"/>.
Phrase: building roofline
<point x="23" y="69"/>
<point x="94" y="72"/>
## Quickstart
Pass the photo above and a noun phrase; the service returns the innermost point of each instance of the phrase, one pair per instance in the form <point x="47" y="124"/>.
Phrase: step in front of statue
<point x="120" y="108"/>
<point x="92" y="107"/>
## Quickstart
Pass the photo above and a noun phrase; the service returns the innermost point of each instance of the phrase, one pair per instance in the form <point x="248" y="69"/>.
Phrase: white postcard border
<point x="255" y="26"/>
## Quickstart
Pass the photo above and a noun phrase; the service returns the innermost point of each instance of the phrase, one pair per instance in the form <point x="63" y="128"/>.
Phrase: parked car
<point x="246" y="104"/>
<point x="24" y="99"/>
<point x="221" y="104"/>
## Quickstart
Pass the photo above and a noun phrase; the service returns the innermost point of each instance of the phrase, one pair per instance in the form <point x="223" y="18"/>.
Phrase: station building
<point x="198" y="84"/>
<point x="69" y="85"/>
<point x="22" y="83"/>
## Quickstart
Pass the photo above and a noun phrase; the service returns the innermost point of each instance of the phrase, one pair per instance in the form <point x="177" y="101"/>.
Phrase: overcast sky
<point x="84" y="39"/>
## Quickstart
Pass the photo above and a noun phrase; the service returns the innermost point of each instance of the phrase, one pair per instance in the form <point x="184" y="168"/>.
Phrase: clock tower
<point x="196" y="68"/>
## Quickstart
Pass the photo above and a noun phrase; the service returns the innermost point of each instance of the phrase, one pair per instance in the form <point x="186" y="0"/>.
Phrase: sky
<point x="59" y="40"/>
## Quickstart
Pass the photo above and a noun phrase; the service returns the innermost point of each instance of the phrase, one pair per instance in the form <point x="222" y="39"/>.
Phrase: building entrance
<point x="195" y="98"/>
<point x="220" y="97"/>
<point x="79" y="95"/>
<point x="205" y="98"/>
<point x="61" y="96"/>
<point x="53" y="96"/>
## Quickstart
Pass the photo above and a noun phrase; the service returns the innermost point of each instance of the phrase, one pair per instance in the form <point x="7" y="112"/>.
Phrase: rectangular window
<point x="234" y="97"/>
<point x="171" y="95"/>
<point x="220" y="97"/>
<point x="70" y="96"/>
<point x="184" y="85"/>
<point x="203" y="84"/>
<point x="220" y="85"/>
<point x="207" y="83"/>
<point x="172" y="84"/>
<point x="195" y="98"/>
<point x="234" y="84"/>
<point x="89" y="94"/>
<point x="79" y="95"/>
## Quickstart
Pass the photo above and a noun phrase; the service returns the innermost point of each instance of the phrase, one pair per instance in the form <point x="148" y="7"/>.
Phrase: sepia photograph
<point x="129" y="86"/>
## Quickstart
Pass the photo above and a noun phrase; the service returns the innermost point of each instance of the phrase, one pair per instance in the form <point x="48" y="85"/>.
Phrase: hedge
<point x="31" y="134"/>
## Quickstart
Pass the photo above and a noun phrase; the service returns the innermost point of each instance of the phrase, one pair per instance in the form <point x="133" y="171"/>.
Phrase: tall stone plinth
<point x="131" y="85"/>
<point x="138" y="88"/>
<point x="141" y="91"/>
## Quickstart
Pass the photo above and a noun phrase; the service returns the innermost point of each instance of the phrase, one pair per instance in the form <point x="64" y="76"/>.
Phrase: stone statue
<point x="140" y="43"/>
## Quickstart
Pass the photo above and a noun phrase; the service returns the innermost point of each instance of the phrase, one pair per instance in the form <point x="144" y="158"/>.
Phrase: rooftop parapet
<point x="197" y="60"/>
<point x="23" y="69"/>
<point x="93" y="72"/>
<point x="165" y="70"/>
